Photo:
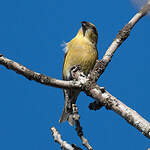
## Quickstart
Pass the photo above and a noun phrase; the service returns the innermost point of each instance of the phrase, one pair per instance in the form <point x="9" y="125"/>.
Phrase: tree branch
<point x="123" y="34"/>
<point x="57" y="138"/>
<point x="79" y="128"/>
<point x="41" y="78"/>
<point x="104" y="98"/>
<point x="88" y="85"/>
<point x="130" y="115"/>
<point x="99" y="67"/>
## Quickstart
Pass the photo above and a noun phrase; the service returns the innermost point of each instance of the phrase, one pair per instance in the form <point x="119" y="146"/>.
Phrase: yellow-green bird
<point x="80" y="51"/>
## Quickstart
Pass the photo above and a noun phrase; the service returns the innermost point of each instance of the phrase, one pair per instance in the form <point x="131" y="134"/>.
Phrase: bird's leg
<point x="74" y="70"/>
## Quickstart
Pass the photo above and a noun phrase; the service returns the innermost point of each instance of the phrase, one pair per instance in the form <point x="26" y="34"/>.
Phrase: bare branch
<point x="123" y="34"/>
<point x="41" y="78"/>
<point x="102" y="97"/>
<point x="130" y="115"/>
<point x="99" y="68"/>
<point x="79" y="128"/>
<point x="57" y="138"/>
<point x="88" y="85"/>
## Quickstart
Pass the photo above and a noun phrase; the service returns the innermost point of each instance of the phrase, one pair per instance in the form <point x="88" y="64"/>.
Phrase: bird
<point x="80" y="51"/>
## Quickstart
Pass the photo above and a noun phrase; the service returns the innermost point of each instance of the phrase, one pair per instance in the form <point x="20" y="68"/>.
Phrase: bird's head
<point x="89" y="31"/>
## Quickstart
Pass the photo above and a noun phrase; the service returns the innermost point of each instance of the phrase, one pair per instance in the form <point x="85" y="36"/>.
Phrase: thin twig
<point x="79" y="128"/>
<point x="57" y="138"/>
<point x="63" y="144"/>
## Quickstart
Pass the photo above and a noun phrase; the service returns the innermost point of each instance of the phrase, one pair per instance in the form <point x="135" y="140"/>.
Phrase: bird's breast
<point x="79" y="53"/>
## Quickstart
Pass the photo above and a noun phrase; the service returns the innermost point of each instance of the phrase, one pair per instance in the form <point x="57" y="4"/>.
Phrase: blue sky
<point x="31" y="33"/>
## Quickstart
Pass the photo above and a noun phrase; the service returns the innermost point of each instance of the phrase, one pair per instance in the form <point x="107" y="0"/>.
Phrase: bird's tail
<point x="70" y="96"/>
<point x="67" y="116"/>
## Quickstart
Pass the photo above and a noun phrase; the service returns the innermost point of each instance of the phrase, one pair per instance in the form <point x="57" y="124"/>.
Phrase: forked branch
<point x="88" y="84"/>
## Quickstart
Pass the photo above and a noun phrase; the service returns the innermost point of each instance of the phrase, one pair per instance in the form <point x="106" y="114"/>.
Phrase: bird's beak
<point x="84" y="27"/>
<point x="84" y="23"/>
